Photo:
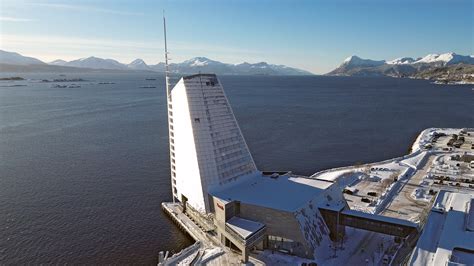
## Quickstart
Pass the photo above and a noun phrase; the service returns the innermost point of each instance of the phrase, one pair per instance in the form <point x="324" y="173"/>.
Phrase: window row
<point x="228" y="148"/>
<point x="232" y="163"/>
<point x="226" y="140"/>
<point x="244" y="169"/>
<point x="234" y="171"/>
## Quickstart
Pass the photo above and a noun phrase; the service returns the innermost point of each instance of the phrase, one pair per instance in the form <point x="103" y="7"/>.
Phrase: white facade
<point x="207" y="146"/>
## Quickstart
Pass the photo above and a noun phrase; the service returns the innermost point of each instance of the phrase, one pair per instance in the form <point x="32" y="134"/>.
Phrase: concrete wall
<point x="278" y="223"/>
<point x="219" y="213"/>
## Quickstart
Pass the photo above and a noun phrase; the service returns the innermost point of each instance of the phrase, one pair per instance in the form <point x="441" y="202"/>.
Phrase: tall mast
<point x="166" y="59"/>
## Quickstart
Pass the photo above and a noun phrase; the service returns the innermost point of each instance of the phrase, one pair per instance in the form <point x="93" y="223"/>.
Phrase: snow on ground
<point x="189" y="258"/>
<point x="277" y="258"/>
<point x="421" y="194"/>
<point x="445" y="166"/>
<point x="209" y="254"/>
<point x="416" y="159"/>
<point x="381" y="179"/>
<point x="362" y="248"/>
<point x="331" y="176"/>
<point x="423" y="139"/>
<point x="384" y="180"/>
<point x="427" y="134"/>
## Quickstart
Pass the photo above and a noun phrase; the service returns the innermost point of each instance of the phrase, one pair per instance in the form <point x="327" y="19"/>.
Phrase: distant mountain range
<point x="444" y="68"/>
<point x="17" y="59"/>
<point x="10" y="61"/>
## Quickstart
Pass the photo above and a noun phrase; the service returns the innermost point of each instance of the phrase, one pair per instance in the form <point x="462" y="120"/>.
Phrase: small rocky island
<point x="64" y="80"/>
<point x="12" y="78"/>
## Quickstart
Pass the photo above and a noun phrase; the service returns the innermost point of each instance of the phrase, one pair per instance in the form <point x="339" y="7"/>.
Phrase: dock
<point x="206" y="249"/>
<point x="175" y="212"/>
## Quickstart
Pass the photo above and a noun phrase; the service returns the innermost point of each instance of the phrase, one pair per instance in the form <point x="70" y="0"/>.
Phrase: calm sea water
<point x="83" y="170"/>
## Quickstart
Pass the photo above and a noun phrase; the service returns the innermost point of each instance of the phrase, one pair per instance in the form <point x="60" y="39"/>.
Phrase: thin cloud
<point x="87" y="8"/>
<point x="13" y="19"/>
<point x="77" y="42"/>
<point x="94" y="45"/>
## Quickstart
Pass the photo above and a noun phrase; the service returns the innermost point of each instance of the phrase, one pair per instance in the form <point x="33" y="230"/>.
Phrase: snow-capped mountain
<point x="446" y="59"/>
<point x="138" y="64"/>
<point x="18" y="59"/>
<point x="355" y="61"/>
<point x="96" y="63"/>
<point x="430" y="60"/>
<point x="191" y="66"/>
<point x="58" y="62"/>
<point x="400" y="67"/>
<point x="443" y="68"/>
<point x="199" y="62"/>
<point x="206" y="65"/>
<point x="264" y="67"/>
<point x="401" y="61"/>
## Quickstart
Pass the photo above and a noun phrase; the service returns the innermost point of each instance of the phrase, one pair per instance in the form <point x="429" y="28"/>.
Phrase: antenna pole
<point x="166" y="59"/>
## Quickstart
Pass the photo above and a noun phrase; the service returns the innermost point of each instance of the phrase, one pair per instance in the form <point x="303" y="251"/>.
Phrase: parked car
<point x="366" y="200"/>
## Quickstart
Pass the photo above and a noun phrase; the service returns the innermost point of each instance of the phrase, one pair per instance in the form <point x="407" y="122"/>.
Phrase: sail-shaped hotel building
<point x="208" y="150"/>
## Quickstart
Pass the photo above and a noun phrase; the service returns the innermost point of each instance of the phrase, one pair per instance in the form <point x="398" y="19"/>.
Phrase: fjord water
<point x="83" y="170"/>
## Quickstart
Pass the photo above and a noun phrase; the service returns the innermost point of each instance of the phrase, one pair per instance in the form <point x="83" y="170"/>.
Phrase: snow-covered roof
<point x="288" y="193"/>
<point x="245" y="228"/>
<point x="444" y="232"/>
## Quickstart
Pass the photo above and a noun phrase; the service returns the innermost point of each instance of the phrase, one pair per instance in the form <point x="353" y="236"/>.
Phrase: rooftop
<point x="200" y="75"/>
<point x="445" y="236"/>
<point x="245" y="228"/>
<point x="285" y="192"/>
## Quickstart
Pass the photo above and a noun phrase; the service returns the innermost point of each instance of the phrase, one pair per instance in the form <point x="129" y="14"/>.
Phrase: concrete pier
<point x="174" y="211"/>
<point x="206" y="249"/>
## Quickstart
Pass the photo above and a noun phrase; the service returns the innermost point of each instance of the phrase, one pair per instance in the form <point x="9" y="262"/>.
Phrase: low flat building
<point x="448" y="236"/>
<point x="288" y="208"/>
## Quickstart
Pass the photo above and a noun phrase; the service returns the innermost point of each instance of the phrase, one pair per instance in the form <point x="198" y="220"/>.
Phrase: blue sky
<point x="313" y="35"/>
